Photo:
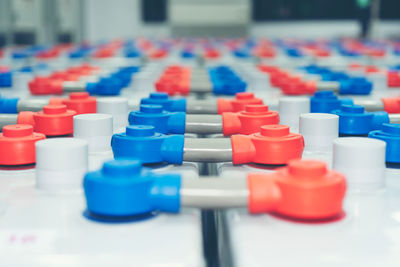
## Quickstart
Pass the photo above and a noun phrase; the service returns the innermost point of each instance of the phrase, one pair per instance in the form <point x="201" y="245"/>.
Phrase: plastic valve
<point x="18" y="144"/>
<point x="163" y="121"/>
<point x="248" y="121"/>
<point x="238" y="103"/>
<point x="390" y="133"/>
<point x="81" y="103"/>
<point x="273" y="145"/>
<point x="353" y="120"/>
<point x="391" y="104"/>
<point x="304" y="189"/>
<point x="123" y="190"/>
<point x="327" y="101"/>
<point x="53" y="120"/>
<point x="168" y="104"/>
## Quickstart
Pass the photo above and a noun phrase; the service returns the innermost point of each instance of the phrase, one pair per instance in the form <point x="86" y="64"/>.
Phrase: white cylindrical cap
<point x="290" y="109"/>
<point x="20" y="80"/>
<point x="117" y="107"/>
<point x="61" y="164"/>
<point x="319" y="130"/>
<point x="361" y="160"/>
<point x="96" y="129"/>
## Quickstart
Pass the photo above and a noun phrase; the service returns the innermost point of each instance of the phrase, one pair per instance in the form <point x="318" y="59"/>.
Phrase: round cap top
<point x="93" y="124"/>
<point x="79" y="95"/>
<point x="151" y="109"/>
<point x="140" y="130"/>
<point x="361" y="160"/>
<point x="256" y="108"/>
<point x="274" y="130"/>
<point x="158" y="95"/>
<point x="112" y="105"/>
<point x="359" y="144"/>
<point x="353" y="109"/>
<point x="61" y="154"/>
<point x="17" y="130"/>
<point x="294" y="105"/>
<point x="390" y="128"/>
<point x="122" y="167"/>
<point x="319" y="124"/>
<point x="307" y="168"/>
<point x="54" y="109"/>
<point x="358" y="153"/>
<point x="244" y="96"/>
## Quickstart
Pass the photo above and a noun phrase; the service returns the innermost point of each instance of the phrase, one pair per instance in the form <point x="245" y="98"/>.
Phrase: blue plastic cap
<point x="107" y="86"/>
<point x="164" y="194"/>
<point x="354" y="121"/>
<point x="324" y="102"/>
<point x="355" y="109"/>
<point x="151" y="115"/>
<point x="177" y="123"/>
<point x="161" y="120"/>
<point x="187" y="54"/>
<point x="178" y="105"/>
<point x="172" y="149"/>
<point x="355" y="86"/>
<point x="151" y="109"/>
<point x="390" y="133"/>
<point x="346" y="101"/>
<point x="140" y="131"/>
<point x="26" y="69"/>
<point x="118" y="168"/>
<point x="9" y="105"/>
<point x="91" y="88"/>
<point x="157" y="99"/>
<point x="167" y="103"/>
<point x="112" y="191"/>
<point x="325" y="94"/>
<point x="5" y="79"/>
<point x="138" y="142"/>
<point x="158" y="96"/>
<point x="19" y="54"/>
<point x="121" y="189"/>
<point x="379" y="118"/>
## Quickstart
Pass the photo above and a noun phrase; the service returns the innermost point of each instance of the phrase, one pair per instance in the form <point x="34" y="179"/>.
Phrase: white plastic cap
<point x="361" y="160"/>
<point x="117" y="107"/>
<point x="21" y="79"/>
<point x="290" y="109"/>
<point x="61" y="164"/>
<point x="96" y="129"/>
<point x="319" y="130"/>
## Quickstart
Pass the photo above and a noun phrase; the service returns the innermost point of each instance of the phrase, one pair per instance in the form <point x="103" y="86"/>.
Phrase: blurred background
<point x="63" y="21"/>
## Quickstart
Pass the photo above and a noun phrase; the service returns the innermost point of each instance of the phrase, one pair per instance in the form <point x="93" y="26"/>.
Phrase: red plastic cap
<point x="305" y="189"/>
<point x="56" y="101"/>
<point x="40" y="86"/>
<point x="275" y="145"/>
<point x="393" y="79"/>
<point x="391" y="104"/>
<point x="54" y="120"/>
<point x="81" y="103"/>
<point x="308" y="190"/>
<point x="19" y="142"/>
<point x="248" y="121"/>
<point x="243" y="99"/>
<point x="174" y="81"/>
<point x="298" y="87"/>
